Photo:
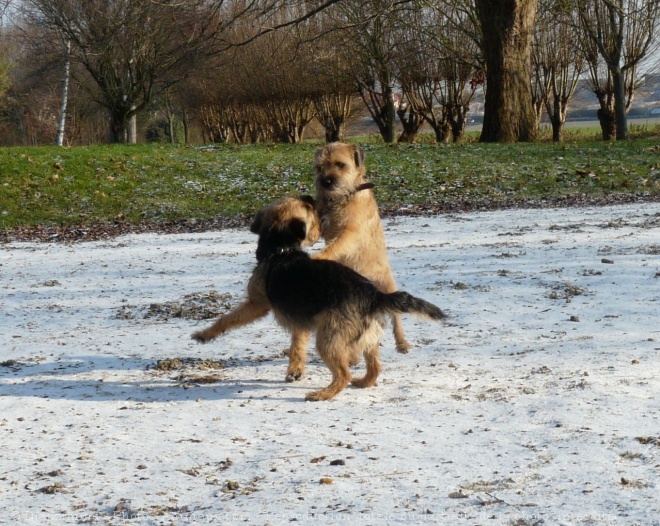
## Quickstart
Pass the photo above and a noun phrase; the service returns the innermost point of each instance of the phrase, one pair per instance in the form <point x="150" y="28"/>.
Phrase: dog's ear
<point x="318" y="154"/>
<point x="298" y="229"/>
<point x="255" y="228"/>
<point x="308" y="199"/>
<point x="359" y="156"/>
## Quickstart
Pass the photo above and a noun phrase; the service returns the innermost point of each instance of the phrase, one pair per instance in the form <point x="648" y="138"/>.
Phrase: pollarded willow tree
<point x="558" y="61"/>
<point x="623" y="33"/>
<point x="369" y="33"/>
<point x="507" y="27"/>
<point x="438" y="64"/>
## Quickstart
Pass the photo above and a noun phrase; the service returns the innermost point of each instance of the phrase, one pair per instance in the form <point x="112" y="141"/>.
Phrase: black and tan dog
<point x="344" y="309"/>
<point x="278" y="215"/>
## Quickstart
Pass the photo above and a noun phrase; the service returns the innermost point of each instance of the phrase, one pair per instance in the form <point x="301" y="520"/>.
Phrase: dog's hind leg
<point x="386" y="283"/>
<point x="245" y="313"/>
<point x="402" y="344"/>
<point x="335" y="357"/>
<point x="371" y="357"/>
<point x="297" y="355"/>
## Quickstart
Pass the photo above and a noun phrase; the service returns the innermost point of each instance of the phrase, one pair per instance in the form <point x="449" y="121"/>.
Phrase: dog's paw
<point x="363" y="383"/>
<point x="403" y="347"/>
<point x="201" y="337"/>
<point x="317" y="396"/>
<point x="293" y="375"/>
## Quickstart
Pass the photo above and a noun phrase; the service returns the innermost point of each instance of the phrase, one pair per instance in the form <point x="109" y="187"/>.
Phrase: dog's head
<point x="288" y="222"/>
<point x="340" y="171"/>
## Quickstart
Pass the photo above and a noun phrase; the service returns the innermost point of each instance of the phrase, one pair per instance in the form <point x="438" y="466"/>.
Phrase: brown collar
<point x="364" y="186"/>
<point x="326" y="204"/>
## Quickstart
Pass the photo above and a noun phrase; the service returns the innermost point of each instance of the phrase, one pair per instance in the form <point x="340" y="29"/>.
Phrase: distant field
<point x="590" y="129"/>
<point x="85" y="185"/>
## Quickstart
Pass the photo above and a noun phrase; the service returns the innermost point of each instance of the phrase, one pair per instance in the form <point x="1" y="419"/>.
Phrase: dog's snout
<point x="328" y="182"/>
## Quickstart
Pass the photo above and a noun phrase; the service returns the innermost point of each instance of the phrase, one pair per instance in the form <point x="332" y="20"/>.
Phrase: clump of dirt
<point x="174" y="364"/>
<point x="191" y="372"/>
<point x="567" y="291"/>
<point x="193" y="306"/>
<point x="9" y="363"/>
<point x="653" y="441"/>
<point x="650" y="250"/>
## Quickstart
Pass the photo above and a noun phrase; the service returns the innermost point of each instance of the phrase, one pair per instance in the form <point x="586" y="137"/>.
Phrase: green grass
<point x="83" y="185"/>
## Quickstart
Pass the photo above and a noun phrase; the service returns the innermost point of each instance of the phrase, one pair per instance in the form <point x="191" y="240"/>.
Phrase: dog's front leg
<point x="245" y="313"/>
<point x="340" y="247"/>
<point x="297" y="355"/>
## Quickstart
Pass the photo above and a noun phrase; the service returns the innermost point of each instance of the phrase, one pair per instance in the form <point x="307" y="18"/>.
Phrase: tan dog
<point x="278" y="215"/>
<point x="353" y="232"/>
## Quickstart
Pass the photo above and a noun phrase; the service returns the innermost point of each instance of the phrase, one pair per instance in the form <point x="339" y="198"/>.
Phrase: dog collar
<point x="364" y="186"/>
<point x="285" y="250"/>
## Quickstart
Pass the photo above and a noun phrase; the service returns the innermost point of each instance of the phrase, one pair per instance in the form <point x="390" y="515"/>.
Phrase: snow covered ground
<point x="537" y="403"/>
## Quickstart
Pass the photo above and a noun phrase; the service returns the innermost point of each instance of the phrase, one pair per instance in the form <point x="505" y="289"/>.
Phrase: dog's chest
<point x="333" y="224"/>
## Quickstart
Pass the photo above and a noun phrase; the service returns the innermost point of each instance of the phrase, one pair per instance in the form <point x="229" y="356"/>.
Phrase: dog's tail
<point x="402" y="302"/>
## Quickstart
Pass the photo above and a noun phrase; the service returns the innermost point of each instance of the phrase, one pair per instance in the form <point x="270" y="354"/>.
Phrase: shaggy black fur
<point x="301" y="287"/>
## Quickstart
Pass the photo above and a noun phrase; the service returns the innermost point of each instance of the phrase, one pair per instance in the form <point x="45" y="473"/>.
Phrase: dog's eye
<point x="340" y="165"/>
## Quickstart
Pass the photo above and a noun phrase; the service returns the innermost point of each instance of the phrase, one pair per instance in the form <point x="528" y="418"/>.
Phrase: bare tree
<point x="333" y="110"/>
<point x="369" y="38"/>
<point x="622" y="32"/>
<point x="64" y="100"/>
<point x="558" y="62"/>
<point x="133" y="49"/>
<point x="4" y="63"/>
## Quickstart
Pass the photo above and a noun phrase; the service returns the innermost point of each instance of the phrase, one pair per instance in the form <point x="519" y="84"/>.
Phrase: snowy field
<point x="537" y="403"/>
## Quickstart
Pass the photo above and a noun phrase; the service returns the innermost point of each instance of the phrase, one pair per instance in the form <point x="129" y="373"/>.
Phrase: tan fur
<point x="340" y="344"/>
<point x="256" y="305"/>
<point x="353" y="232"/>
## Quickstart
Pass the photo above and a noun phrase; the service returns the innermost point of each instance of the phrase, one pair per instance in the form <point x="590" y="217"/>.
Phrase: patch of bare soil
<point x="191" y="372"/>
<point x="193" y="306"/>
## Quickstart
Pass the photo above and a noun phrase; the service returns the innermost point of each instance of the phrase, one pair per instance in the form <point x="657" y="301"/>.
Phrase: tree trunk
<point x="507" y="27"/>
<point x="59" y="140"/>
<point x="170" y="117"/>
<point x="618" y="80"/>
<point x="384" y="114"/>
<point x="382" y="108"/>
<point x="411" y="122"/>
<point x="119" y="128"/>
<point x="186" y="128"/>
<point x="557" y="119"/>
<point x="440" y="125"/>
<point x="389" y="116"/>
<point x="606" y="114"/>
<point x="131" y="137"/>
<point x="457" y="114"/>
<point x="334" y="128"/>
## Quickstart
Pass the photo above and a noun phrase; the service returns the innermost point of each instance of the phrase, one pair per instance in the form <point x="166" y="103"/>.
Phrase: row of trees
<point x="261" y="70"/>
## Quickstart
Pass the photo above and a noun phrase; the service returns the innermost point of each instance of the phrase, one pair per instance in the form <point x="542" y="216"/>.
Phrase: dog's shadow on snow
<point x="114" y="379"/>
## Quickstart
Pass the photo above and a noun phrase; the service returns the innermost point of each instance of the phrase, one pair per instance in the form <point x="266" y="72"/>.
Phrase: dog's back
<point x="303" y="292"/>
<point x="300" y="289"/>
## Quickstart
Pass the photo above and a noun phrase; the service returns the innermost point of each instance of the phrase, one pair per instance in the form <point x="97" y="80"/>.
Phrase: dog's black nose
<point x="327" y="182"/>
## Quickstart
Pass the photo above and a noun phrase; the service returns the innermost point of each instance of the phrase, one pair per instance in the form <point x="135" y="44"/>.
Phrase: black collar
<point x="280" y="251"/>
